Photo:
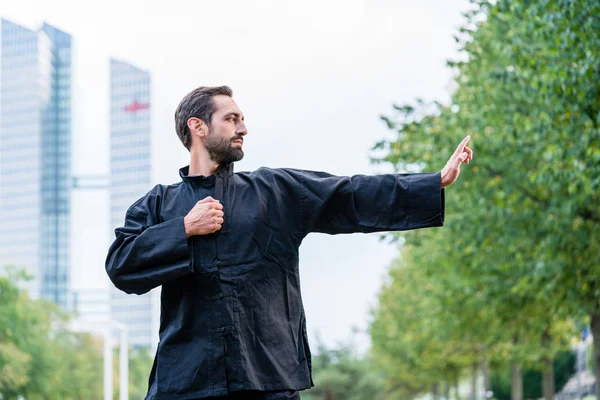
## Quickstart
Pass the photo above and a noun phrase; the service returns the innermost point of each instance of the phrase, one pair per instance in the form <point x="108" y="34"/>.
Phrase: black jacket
<point x="231" y="312"/>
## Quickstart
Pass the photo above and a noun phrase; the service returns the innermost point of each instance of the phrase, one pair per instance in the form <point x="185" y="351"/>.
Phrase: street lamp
<point x="123" y="361"/>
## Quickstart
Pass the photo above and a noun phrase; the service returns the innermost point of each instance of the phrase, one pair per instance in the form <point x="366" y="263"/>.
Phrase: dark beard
<point x="220" y="149"/>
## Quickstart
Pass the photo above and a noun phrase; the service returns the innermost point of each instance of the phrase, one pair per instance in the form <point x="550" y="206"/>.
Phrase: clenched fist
<point x="206" y="217"/>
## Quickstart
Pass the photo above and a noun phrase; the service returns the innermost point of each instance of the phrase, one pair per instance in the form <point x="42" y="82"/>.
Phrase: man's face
<point x="226" y="133"/>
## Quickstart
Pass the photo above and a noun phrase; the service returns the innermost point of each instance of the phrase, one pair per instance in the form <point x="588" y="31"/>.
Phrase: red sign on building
<point x="136" y="106"/>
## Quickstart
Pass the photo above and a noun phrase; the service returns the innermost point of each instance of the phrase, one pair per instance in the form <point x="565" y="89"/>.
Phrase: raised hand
<point x="206" y="217"/>
<point x="462" y="154"/>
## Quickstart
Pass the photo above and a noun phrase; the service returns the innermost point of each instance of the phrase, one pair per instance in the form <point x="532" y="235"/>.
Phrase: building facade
<point x="35" y="157"/>
<point x="130" y="179"/>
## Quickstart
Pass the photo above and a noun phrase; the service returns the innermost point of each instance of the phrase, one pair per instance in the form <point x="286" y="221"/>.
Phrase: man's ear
<point x="197" y="127"/>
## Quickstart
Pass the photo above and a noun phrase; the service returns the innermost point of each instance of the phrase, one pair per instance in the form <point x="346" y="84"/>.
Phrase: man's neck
<point x="201" y="163"/>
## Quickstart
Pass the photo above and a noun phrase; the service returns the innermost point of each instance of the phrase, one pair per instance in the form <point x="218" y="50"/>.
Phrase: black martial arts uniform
<point x="231" y="313"/>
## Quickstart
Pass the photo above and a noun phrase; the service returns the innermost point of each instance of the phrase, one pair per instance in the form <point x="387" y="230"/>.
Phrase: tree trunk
<point x="474" y="370"/>
<point x="548" y="372"/>
<point x="329" y="395"/>
<point x="435" y="392"/>
<point x="456" y="384"/>
<point x="485" y="370"/>
<point x="517" y="382"/>
<point x="548" y="380"/>
<point x="595" y="325"/>
<point x="447" y="390"/>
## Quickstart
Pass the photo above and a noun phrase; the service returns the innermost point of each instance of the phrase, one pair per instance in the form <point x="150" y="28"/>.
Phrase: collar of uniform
<point x="222" y="171"/>
<point x="225" y="170"/>
<point x="196" y="179"/>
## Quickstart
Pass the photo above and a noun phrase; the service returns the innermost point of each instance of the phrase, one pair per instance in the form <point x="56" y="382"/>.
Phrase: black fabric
<point x="257" y="395"/>
<point x="231" y="313"/>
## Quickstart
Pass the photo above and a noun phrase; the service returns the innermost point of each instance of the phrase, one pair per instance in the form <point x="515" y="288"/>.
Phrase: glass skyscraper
<point x="35" y="156"/>
<point x="130" y="179"/>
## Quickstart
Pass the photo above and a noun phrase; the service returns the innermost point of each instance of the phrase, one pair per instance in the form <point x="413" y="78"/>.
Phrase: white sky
<point x="312" y="78"/>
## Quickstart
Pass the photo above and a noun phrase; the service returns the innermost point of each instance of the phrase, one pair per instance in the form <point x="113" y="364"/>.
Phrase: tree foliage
<point x="341" y="374"/>
<point x="519" y="257"/>
<point x="40" y="358"/>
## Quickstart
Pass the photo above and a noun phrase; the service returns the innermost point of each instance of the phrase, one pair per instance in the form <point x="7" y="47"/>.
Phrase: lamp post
<point x="108" y="357"/>
<point x="123" y="361"/>
<point x="107" y="327"/>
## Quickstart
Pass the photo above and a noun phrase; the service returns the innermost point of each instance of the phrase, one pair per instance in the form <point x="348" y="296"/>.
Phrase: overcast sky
<point x="312" y="78"/>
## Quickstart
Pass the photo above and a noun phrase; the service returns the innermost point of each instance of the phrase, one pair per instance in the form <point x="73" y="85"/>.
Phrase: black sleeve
<point x="390" y="202"/>
<point x="145" y="253"/>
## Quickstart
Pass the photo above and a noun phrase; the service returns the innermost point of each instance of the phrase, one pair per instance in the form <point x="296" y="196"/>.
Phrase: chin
<point x="236" y="155"/>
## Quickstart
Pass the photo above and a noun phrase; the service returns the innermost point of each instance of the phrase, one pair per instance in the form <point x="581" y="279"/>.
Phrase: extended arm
<point x="391" y="202"/>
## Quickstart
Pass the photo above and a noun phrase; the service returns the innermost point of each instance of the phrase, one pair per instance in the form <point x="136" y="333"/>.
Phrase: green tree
<point x="523" y="220"/>
<point x="28" y="331"/>
<point x="140" y="365"/>
<point x="39" y="357"/>
<point x="78" y="375"/>
<point x="341" y="374"/>
<point x="414" y="333"/>
<point x="14" y="362"/>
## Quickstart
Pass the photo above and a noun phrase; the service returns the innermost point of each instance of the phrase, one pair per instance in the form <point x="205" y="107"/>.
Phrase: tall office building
<point x="130" y="179"/>
<point x="35" y="156"/>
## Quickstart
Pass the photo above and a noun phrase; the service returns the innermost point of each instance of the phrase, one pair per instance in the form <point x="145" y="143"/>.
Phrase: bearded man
<point x="224" y="248"/>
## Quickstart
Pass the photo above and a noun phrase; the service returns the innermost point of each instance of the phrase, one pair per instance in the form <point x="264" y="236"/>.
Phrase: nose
<point x="241" y="129"/>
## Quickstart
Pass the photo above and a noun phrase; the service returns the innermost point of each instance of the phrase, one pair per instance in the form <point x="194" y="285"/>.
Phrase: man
<point x="224" y="247"/>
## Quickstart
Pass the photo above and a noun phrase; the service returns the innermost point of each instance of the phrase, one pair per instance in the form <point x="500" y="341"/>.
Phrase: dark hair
<point x="199" y="104"/>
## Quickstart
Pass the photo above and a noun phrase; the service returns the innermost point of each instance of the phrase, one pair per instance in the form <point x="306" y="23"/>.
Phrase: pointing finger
<point x="461" y="146"/>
